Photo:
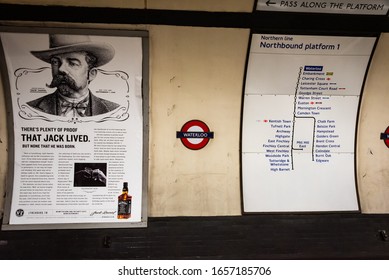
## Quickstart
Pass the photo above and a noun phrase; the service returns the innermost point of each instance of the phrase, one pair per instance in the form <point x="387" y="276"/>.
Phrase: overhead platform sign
<point x="299" y="122"/>
<point x="359" y="7"/>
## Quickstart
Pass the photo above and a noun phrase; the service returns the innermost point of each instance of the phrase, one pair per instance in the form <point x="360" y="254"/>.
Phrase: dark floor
<point x="300" y="236"/>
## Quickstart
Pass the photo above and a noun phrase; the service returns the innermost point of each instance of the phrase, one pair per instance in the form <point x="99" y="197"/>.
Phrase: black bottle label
<point x="124" y="207"/>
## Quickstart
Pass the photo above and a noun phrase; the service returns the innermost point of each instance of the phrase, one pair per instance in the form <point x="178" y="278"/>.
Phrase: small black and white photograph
<point x="87" y="174"/>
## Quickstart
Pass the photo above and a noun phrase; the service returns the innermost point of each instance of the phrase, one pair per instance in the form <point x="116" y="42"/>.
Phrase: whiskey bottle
<point x="124" y="203"/>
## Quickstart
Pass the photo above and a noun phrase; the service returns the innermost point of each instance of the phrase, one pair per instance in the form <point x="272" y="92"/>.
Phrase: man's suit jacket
<point x="49" y="104"/>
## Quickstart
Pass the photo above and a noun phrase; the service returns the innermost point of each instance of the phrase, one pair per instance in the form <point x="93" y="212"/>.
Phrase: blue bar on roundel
<point x="313" y="68"/>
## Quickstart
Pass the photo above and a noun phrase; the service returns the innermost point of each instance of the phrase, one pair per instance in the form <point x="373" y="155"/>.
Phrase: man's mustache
<point x="62" y="79"/>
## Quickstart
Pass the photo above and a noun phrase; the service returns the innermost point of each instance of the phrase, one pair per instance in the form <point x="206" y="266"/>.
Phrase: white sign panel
<point x="374" y="7"/>
<point x="298" y="135"/>
<point x="78" y="128"/>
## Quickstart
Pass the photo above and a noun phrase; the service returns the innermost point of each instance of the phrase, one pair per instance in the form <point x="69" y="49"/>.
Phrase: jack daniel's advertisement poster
<point x="78" y="126"/>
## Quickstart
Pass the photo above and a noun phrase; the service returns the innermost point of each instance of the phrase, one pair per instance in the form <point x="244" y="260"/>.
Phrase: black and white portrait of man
<point x="74" y="60"/>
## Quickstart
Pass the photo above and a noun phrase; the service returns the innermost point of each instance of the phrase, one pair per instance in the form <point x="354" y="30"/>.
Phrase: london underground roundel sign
<point x="195" y="134"/>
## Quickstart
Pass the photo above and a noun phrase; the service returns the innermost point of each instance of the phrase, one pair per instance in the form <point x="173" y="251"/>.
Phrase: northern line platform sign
<point x="357" y="7"/>
<point x="299" y="121"/>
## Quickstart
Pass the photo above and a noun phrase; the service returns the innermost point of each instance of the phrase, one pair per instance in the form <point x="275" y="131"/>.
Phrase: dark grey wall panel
<point x="324" y="236"/>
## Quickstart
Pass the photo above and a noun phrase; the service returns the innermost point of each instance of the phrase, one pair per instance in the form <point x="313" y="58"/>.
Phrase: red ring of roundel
<point x="186" y="142"/>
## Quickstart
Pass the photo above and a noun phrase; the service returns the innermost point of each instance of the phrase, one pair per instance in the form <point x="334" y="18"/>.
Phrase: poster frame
<point x="144" y="36"/>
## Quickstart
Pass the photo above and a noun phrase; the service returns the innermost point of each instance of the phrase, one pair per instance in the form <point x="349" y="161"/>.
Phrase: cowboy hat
<point x="60" y="43"/>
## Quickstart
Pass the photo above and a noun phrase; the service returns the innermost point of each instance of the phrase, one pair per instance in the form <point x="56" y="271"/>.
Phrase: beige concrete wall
<point x="131" y="4"/>
<point x="203" y="5"/>
<point x="189" y="5"/>
<point x="372" y="153"/>
<point x="195" y="73"/>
